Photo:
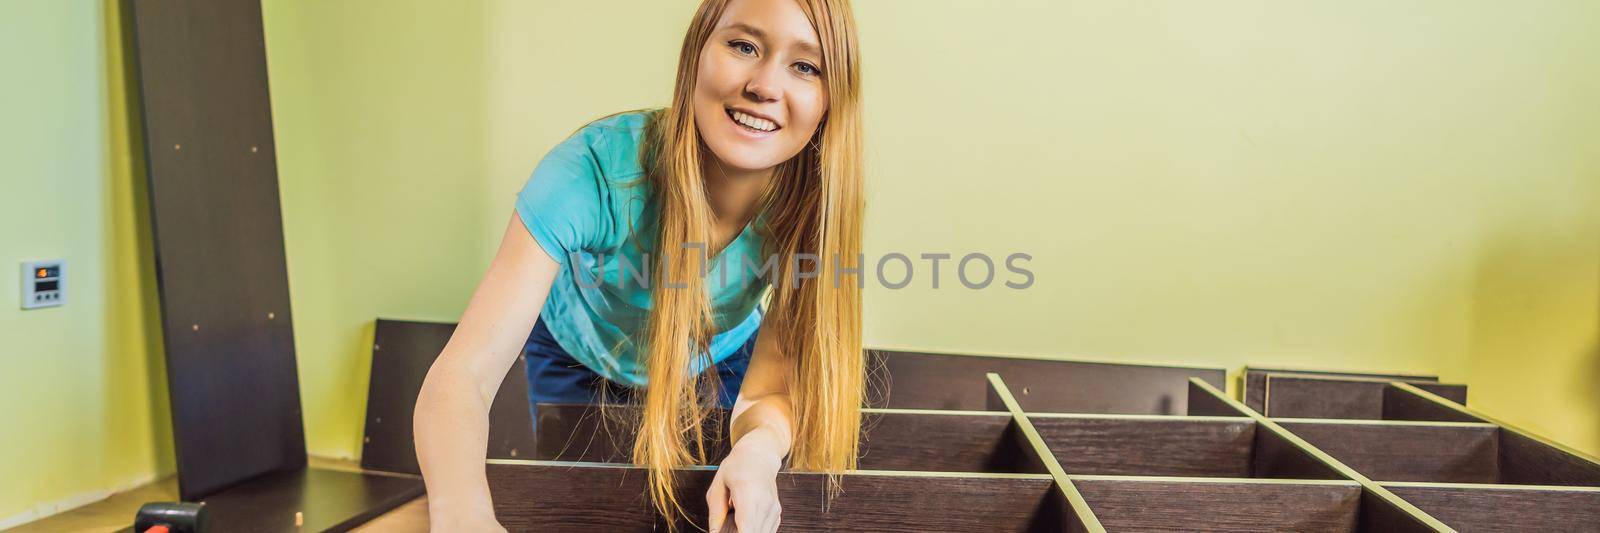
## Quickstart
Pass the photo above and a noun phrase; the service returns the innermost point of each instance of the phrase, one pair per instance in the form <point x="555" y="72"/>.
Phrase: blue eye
<point x="814" y="71"/>
<point x="743" y="47"/>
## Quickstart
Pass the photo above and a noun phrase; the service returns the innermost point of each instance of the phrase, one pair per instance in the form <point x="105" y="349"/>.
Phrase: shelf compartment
<point x="1445" y="452"/>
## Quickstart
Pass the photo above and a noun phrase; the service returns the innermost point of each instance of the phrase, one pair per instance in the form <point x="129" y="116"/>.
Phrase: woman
<point x="758" y="158"/>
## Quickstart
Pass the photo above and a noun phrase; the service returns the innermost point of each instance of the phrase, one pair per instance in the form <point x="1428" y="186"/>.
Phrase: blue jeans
<point x="555" y="377"/>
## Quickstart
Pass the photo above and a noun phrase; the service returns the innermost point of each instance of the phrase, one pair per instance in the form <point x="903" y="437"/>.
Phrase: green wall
<point x="1347" y="185"/>
<point x="82" y="386"/>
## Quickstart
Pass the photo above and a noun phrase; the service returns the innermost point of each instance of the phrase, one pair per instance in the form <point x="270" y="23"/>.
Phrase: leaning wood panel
<point x="1148" y="445"/>
<point x="218" y="235"/>
<point x="920" y="380"/>
<point x="1178" y="504"/>
<point x="1299" y="396"/>
<point x="1493" y="508"/>
<point x="402" y="352"/>
<point x="1408" y="451"/>
<point x="556" y="497"/>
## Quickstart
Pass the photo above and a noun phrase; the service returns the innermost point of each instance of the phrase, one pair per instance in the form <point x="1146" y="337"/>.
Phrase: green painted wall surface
<point x="82" y="389"/>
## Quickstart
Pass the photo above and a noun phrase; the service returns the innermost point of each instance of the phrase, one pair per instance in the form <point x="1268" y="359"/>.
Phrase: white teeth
<point x="753" y="122"/>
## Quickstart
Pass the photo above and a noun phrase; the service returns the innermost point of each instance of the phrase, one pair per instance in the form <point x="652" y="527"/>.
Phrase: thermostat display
<point x="42" y="284"/>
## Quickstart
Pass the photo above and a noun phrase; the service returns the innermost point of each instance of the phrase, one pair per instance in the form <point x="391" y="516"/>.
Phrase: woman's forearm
<point x="765" y="423"/>
<point x="451" y="426"/>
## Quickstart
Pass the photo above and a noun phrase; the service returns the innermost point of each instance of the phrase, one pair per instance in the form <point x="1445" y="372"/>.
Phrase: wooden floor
<point x="116" y="512"/>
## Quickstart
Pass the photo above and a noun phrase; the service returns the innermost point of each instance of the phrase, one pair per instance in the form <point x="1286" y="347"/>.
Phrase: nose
<point x="763" y="86"/>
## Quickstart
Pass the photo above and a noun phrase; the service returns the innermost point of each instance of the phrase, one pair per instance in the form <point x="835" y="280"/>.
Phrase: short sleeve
<point x="562" y="202"/>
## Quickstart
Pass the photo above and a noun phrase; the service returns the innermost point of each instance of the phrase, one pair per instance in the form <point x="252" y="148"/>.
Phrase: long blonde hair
<point x="814" y="206"/>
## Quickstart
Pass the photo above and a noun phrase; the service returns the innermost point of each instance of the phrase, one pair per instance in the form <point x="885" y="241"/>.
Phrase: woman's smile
<point x="752" y="125"/>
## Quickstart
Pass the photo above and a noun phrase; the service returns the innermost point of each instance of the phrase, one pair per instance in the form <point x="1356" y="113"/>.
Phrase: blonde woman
<point x="682" y="257"/>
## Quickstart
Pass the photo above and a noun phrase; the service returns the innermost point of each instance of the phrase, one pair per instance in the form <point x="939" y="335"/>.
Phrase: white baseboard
<point x="48" y="509"/>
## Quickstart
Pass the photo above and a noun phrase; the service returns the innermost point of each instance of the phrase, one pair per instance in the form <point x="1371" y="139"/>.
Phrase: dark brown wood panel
<point x="1297" y="396"/>
<point x="328" y="500"/>
<point x="1255" y="381"/>
<point x="595" y="433"/>
<point x="1460" y="453"/>
<point x="557" y="497"/>
<point x="1469" y="508"/>
<point x="1221" y="505"/>
<point x="1073" y="510"/>
<point x="402" y="353"/>
<point x="920" y="380"/>
<point x="1280" y="453"/>
<point x="218" y="237"/>
<point x="1149" y="446"/>
<point x="1206" y="400"/>
<point x="1302" y="397"/>
<point x="220" y="270"/>
<point x="1526" y="460"/>
<point x="1382" y="513"/>
<point x="942" y="441"/>
<point x="1402" y="404"/>
<point x="1275" y="456"/>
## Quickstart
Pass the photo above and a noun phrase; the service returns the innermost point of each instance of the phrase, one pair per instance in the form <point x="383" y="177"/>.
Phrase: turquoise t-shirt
<point x="588" y="205"/>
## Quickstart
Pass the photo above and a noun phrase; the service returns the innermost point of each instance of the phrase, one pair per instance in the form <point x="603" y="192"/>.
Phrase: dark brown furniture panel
<point x="218" y="238"/>
<point x="1255" y="381"/>
<point x="1443" y="452"/>
<point x="1221" y="505"/>
<point x="554" y="497"/>
<point x="226" y="320"/>
<point x="934" y="441"/>
<point x="1446" y="453"/>
<point x="327" y="500"/>
<point x="919" y="380"/>
<point x="1149" y="446"/>
<point x="1297" y="396"/>
<point x="1475" y="508"/>
<point x="1525" y="460"/>
<point x="402" y="352"/>
<point x="1402" y="404"/>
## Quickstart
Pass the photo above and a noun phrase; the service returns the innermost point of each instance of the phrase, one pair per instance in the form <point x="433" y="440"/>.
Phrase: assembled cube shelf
<point x="984" y="443"/>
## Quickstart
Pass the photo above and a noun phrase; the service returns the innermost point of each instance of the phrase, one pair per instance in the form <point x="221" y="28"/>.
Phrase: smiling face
<point x="759" y="93"/>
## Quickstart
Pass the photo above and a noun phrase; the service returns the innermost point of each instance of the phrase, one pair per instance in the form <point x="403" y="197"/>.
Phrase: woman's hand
<point x="747" y="485"/>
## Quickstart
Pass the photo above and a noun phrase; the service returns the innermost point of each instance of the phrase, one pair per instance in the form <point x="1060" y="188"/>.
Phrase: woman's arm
<point x="763" y="423"/>
<point x="451" y="422"/>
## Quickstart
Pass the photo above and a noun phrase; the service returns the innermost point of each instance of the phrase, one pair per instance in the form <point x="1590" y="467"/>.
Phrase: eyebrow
<point x="807" y="46"/>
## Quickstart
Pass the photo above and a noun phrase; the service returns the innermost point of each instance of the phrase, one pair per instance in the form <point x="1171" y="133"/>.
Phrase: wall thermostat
<point x="42" y="284"/>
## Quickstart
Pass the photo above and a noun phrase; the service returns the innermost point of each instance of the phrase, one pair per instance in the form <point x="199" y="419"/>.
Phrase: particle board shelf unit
<point x="986" y="443"/>
<point x="1216" y="469"/>
<point x="1418" y="439"/>
<point x="403" y="350"/>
